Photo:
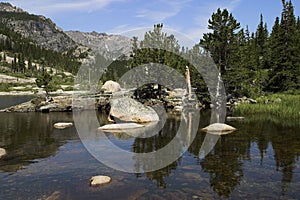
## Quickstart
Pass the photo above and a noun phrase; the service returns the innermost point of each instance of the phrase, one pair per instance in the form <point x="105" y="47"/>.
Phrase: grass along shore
<point x="285" y="106"/>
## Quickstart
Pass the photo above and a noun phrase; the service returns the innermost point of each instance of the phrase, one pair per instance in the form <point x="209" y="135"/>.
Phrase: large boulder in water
<point x="219" y="129"/>
<point x="127" y="109"/>
<point x="111" y="86"/>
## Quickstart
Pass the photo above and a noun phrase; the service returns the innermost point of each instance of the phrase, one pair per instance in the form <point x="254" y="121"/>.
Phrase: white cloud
<point x="53" y="6"/>
<point x="156" y="16"/>
<point x="160" y="10"/>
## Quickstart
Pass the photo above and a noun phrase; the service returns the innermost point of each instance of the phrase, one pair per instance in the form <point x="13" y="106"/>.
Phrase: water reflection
<point x="31" y="136"/>
<point x="260" y="160"/>
<point x="225" y="163"/>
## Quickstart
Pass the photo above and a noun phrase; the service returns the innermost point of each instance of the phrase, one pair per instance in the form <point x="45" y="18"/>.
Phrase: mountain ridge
<point x="45" y="33"/>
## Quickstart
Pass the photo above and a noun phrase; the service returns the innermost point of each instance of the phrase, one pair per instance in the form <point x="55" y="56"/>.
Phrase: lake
<point x="259" y="160"/>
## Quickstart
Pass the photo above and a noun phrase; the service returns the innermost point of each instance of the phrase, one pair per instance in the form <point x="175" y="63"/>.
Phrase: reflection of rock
<point x="99" y="180"/>
<point x="127" y="109"/>
<point x="111" y="86"/>
<point x="2" y="152"/>
<point x="63" y="125"/>
<point x="219" y="129"/>
<point x="178" y="108"/>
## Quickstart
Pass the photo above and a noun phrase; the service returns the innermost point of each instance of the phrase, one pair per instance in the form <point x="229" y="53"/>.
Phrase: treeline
<point x="15" y="45"/>
<point x="253" y="64"/>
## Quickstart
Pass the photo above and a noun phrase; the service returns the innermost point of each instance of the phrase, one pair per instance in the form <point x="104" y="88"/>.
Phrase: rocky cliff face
<point x="7" y="7"/>
<point x="38" y="28"/>
<point x="110" y="46"/>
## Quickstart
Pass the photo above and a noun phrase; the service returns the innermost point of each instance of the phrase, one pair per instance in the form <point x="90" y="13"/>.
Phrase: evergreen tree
<point x="284" y="52"/>
<point x="220" y="43"/>
<point x="261" y="38"/>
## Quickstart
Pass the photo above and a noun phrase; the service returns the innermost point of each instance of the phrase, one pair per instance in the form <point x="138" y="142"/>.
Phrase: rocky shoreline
<point x="64" y="102"/>
<point x="67" y="101"/>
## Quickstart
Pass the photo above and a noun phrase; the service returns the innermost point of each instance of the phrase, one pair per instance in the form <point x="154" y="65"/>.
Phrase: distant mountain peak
<point x="109" y="46"/>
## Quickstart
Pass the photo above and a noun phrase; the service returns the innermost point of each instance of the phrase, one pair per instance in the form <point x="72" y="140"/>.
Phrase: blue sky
<point x="188" y="17"/>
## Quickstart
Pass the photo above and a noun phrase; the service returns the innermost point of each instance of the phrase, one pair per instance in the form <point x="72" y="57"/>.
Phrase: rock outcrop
<point x="127" y="109"/>
<point x="40" y="104"/>
<point x="110" y="46"/>
<point x="37" y="28"/>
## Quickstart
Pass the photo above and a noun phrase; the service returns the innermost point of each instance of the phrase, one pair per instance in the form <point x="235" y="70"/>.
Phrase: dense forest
<point x="21" y="49"/>
<point x="251" y="64"/>
<point x="254" y="63"/>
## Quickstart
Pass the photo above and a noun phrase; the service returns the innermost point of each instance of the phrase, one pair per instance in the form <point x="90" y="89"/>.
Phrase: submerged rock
<point x="2" y="152"/>
<point x="219" y="129"/>
<point x="54" y="196"/>
<point x="99" y="180"/>
<point x="62" y="125"/>
<point x="127" y="109"/>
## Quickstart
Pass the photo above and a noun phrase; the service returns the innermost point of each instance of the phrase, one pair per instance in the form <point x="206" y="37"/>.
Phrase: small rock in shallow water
<point x="2" y="152"/>
<point x="63" y="125"/>
<point x="219" y="129"/>
<point x="235" y="118"/>
<point x="99" y="180"/>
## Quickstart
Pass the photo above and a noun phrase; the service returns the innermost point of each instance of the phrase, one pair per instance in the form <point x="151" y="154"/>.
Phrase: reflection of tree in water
<point x="30" y="136"/>
<point x="284" y="140"/>
<point x="286" y="145"/>
<point x="151" y="144"/>
<point x="224" y="166"/>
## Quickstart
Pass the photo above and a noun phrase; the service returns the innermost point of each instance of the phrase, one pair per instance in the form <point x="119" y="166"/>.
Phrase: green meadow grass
<point x="283" y="106"/>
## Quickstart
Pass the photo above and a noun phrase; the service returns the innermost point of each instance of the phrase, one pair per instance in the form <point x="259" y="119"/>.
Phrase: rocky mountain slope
<point x="109" y="46"/>
<point x="38" y="28"/>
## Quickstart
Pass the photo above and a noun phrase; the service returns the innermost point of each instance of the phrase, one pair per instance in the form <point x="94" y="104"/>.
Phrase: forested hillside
<point x="33" y="39"/>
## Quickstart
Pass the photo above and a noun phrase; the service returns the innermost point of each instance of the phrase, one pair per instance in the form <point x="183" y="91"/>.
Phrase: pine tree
<point x="220" y="43"/>
<point x="284" y="50"/>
